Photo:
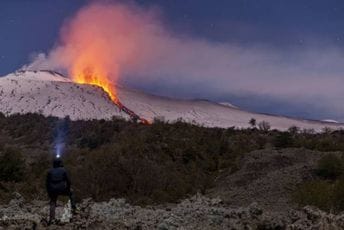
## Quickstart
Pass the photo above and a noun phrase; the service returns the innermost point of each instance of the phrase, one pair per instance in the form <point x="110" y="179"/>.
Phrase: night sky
<point x="32" y="26"/>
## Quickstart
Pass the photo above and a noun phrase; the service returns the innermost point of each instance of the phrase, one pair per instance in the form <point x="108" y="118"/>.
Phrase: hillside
<point x="171" y="175"/>
<point x="49" y="93"/>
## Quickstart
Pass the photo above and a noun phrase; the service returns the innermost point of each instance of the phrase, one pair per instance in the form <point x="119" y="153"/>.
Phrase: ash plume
<point x="124" y="41"/>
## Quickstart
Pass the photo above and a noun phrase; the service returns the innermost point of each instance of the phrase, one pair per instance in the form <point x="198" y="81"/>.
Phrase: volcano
<point x="52" y="94"/>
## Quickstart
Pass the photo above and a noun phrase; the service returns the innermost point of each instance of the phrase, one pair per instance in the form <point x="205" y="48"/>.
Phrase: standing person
<point x="58" y="183"/>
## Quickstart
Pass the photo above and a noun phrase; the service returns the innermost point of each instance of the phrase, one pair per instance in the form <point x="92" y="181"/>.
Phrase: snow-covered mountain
<point x="49" y="93"/>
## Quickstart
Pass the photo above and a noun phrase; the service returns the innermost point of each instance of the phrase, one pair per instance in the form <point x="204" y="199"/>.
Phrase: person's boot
<point x="51" y="221"/>
<point x="74" y="210"/>
<point x="52" y="213"/>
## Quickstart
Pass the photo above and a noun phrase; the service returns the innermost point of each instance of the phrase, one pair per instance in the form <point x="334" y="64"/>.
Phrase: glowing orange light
<point x="94" y="76"/>
<point x="98" y="42"/>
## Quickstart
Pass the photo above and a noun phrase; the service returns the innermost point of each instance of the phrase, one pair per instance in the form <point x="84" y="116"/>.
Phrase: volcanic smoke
<point x="107" y="42"/>
<point x="99" y="41"/>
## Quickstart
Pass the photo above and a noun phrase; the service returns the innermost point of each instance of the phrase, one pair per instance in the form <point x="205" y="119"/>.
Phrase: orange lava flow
<point x="95" y="77"/>
<point x="85" y="73"/>
<point x="89" y="76"/>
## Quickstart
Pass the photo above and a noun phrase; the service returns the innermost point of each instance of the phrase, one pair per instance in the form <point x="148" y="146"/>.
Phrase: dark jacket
<point x="58" y="182"/>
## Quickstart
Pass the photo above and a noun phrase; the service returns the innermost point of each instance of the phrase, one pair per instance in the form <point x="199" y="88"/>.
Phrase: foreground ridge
<point x="197" y="212"/>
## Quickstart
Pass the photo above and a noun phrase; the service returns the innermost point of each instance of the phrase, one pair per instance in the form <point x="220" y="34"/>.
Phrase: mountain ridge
<point x="50" y="93"/>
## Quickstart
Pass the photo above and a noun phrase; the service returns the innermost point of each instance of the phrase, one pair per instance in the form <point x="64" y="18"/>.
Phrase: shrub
<point x="161" y="162"/>
<point x="330" y="166"/>
<point x="326" y="194"/>
<point x="327" y="130"/>
<point x="326" y="144"/>
<point x="322" y="194"/>
<point x="283" y="140"/>
<point x="293" y="130"/>
<point x="264" y="126"/>
<point x="253" y="122"/>
<point x="12" y="165"/>
<point x="316" y="193"/>
<point x="338" y="195"/>
<point x="159" y="119"/>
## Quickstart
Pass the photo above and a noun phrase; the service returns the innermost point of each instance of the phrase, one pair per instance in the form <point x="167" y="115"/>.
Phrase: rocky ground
<point x="267" y="177"/>
<point x="255" y="196"/>
<point x="198" y="212"/>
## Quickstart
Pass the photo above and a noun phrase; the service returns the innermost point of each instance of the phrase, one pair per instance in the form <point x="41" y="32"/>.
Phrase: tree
<point x="12" y="165"/>
<point x="264" y="126"/>
<point x="327" y="130"/>
<point x="330" y="167"/>
<point x="293" y="130"/>
<point x="283" y="140"/>
<point x="253" y="122"/>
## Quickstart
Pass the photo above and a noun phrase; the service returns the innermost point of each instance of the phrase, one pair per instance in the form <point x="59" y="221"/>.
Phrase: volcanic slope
<point x="50" y="93"/>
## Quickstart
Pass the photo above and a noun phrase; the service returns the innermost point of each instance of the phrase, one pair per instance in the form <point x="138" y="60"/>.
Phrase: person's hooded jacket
<point x="58" y="181"/>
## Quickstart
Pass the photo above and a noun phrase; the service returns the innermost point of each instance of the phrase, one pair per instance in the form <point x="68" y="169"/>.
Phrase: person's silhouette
<point x="58" y="183"/>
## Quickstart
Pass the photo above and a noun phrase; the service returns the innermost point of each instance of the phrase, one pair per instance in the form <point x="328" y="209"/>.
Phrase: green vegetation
<point x="144" y="163"/>
<point x="11" y="165"/>
<point x="330" y="167"/>
<point x="316" y="193"/>
<point x="253" y="122"/>
<point x="283" y="140"/>
<point x="327" y="192"/>
<point x="326" y="195"/>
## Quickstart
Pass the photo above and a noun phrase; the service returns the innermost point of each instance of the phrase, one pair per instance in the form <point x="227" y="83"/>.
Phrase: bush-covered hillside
<point x="143" y="163"/>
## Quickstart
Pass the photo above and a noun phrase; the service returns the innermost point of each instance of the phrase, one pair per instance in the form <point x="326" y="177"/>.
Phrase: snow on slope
<point x="208" y="113"/>
<point x="52" y="94"/>
<point x="49" y="93"/>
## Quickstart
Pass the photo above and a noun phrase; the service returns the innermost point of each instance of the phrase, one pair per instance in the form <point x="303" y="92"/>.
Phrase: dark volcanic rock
<point x="267" y="177"/>
<point x="198" y="212"/>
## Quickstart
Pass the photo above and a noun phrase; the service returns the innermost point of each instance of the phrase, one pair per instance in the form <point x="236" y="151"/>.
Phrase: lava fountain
<point x="87" y="72"/>
<point x="94" y="76"/>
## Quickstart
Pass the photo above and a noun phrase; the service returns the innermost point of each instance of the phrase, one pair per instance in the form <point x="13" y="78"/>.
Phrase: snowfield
<point x="50" y="93"/>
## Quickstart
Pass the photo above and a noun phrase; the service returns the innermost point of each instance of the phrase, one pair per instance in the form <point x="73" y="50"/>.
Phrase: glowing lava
<point x="98" y="42"/>
<point x="98" y="78"/>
